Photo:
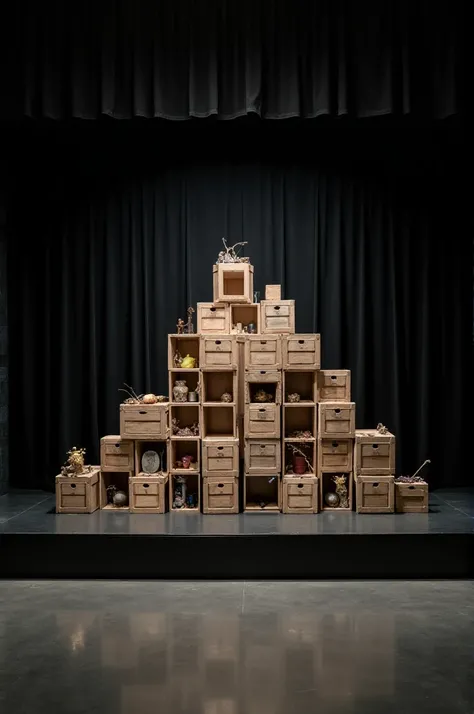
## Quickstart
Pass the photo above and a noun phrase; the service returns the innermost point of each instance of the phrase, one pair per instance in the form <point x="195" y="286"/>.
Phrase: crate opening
<point x="299" y="458"/>
<point x="112" y="483"/>
<point x="191" y="379"/>
<point x="185" y="420"/>
<point x="216" y="384"/>
<point x="262" y="392"/>
<point x="302" y="384"/>
<point x="261" y="493"/>
<point x="218" y="421"/>
<point x="234" y="282"/>
<point x="336" y="499"/>
<point x="185" y="456"/>
<point x="160" y="447"/>
<point x="245" y="315"/>
<point x="299" y="422"/>
<point x="184" y="492"/>
<point x="182" y="345"/>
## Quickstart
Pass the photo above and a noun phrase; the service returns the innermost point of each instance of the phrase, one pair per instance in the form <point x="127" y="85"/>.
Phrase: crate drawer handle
<point x="218" y="342"/>
<point x="301" y="342"/>
<point x="117" y="445"/>
<point x="375" y="446"/>
<point x="142" y="412"/>
<point x="263" y="371"/>
<point x="219" y="448"/>
<point x="335" y="444"/>
<point x="375" y="485"/>
<point x="212" y="309"/>
<point x="73" y="485"/>
<point x="337" y="411"/>
<point x="263" y="342"/>
<point x="411" y="488"/>
<point x="262" y="446"/>
<point x="333" y="376"/>
<point x="146" y="485"/>
<point x="277" y="307"/>
<point x="262" y="410"/>
<point x="220" y="485"/>
<point x="300" y="485"/>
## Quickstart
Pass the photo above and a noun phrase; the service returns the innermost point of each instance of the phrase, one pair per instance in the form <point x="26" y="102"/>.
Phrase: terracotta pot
<point x="299" y="464"/>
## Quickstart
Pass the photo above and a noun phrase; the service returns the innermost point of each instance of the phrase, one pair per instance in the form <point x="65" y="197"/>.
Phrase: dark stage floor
<point x="33" y="537"/>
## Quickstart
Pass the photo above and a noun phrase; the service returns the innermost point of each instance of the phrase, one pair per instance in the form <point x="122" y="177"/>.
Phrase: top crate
<point x="233" y="282"/>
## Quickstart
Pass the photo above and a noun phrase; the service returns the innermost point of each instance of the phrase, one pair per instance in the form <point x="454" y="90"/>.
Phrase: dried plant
<point x="230" y="254"/>
<point x="296" y="450"/>
<point x="74" y="466"/>
<point x="341" y="489"/>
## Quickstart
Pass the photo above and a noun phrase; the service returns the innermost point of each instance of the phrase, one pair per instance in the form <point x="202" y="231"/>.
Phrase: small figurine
<point x="382" y="429"/>
<point x="293" y="398"/>
<point x="341" y="490"/>
<point x="74" y="466"/>
<point x="190" y="326"/>
<point x="180" y="326"/>
<point x="262" y="396"/>
<point x="177" y="359"/>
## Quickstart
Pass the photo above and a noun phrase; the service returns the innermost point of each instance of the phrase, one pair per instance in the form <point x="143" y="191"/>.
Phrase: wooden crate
<point x="119" y="479"/>
<point x="300" y="382"/>
<point x="78" y="494"/>
<point x="374" y="453"/>
<point x="262" y="456"/>
<point x="186" y="414"/>
<point x="185" y="345"/>
<point x="268" y="380"/>
<point x="299" y="417"/>
<point x="262" y="422"/>
<point x="193" y="486"/>
<point x="192" y="377"/>
<point x="217" y="382"/>
<point x="335" y="455"/>
<point x="244" y="315"/>
<point x="219" y="422"/>
<point x="300" y="494"/>
<point x="301" y="351"/>
<point x="220" y="493"/>
<point x="411" y="497"/>
<point x="375" y="494"/>
<point x="148" y="494"/>
<point x="220" y="456"/>
<point x="262" y="493"/>
<point x="218" y="352"/>
<point x="232" y="282"/>
<point x="213" y="319"/>
<point x="334" y="385"/>
<point x="144" y="421"/>
<point x="273" y="292"/>
<point x="141" y="445"/>
<point x="309" y="449"/>
<point x="277" y="317"/>
<point x="262" y="352"/>
<point x="116" y="454"/>
<point x="326" y="484"/>
<point x="336" y="420"/>
<point x="186" y="446"/>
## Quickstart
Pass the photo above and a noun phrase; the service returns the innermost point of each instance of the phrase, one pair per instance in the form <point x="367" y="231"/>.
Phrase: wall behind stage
<point x="113" y="229"/>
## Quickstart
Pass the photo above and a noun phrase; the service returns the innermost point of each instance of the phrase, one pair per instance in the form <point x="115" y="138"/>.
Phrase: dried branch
<point x="298" y="451"/>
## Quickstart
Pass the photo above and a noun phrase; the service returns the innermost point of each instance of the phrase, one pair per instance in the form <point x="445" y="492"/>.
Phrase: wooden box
<point x="212" y="319"/>
<point x="161" y="448"/>
<point x="182" y="415"/>
<point x="148" y="494"/>
<point x="262" y="421"/>
<point x="78" y="494"/>
<point x="220" y="493"/>
<point x="232" y="282"/>
<point x="335" y="455"/>
<point x="262" y="493"/>
<point x="262" y="352"/>
<point x="326" y="485"/>
<point x="411" y="497"/>
<point x="277" y="317"/>
<point x="120" y="480"/>
<point x="218" y="352"/>
<point x="267" y="380"/>
<point x="299" y="418"/>
<point x="375" y="494"/>
<point x="273" y="292"/>
<point x="262" y="456"/>
<point x="220" y="456"/>
<point x="116" y="454"/>
<point x="184" y="447"/>
<point x="193" y="486"/>
<point x="144" y="421"/>
<point x="192" y="379"/>
<point x="216" y="383"/>
<point x="301" y="352"/>
<point x="336" y="420"/>
<point x="184" y="345"/>
<point x="219" y="421"/>
<point x="374" y="452"/>
<point x="242" y="315"/>
<point x="302" y="383"/>
<point x="300" y="494"/>
<point x="308" y="449"/>
<point x="334" y="385"/>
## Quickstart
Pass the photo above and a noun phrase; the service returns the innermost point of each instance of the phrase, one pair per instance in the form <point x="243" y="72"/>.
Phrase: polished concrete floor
<point x="236" y="648"/>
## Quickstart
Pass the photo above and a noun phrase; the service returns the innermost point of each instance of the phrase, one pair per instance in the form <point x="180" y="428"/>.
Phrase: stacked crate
<point x="374" y="471"/>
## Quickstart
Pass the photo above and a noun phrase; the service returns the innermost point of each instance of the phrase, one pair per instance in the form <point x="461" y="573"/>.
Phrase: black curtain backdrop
<point x="177" y="59"/>
<point x="113" y="231"/>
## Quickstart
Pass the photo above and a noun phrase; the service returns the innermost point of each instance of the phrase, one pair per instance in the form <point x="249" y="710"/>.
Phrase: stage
<point x="35" y="542"/>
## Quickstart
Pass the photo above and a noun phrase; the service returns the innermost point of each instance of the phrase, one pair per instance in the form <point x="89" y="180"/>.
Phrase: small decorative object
<point x="251" y="328"/>
<point x="341" y="489"/>
<point x="116" y="497"/>
<point x="415" y="478"/>
<point x="192" y="430"/>
<point x="331" y="499"/>
<point x="161" y="398"/>
<point x="191" y="501"/>
<point x="135" y="398"/>
<point x="180" y="391"/>
<point x="188" y="362"/>
<point x="293" y="398"/>
<point x="239" y="328"/>
<point x="189" y="325"/>
<point x="178" y="464"/>
<point x="245" y="329"/>
<point x="256" y="296"/>
<point x="150" y="462"/>
<point x="180" y="326"/>
<point x="230" y="254"/>
<point x="193" y="396"/>
<point x="300" y="462"/>
<point x="226" y="397"/>
<point x="177" y="359"/>
<point x="150" y="399"/>
<point x="74" y="466"/>
<point x="262" y="396"/>
<point x="300" y="434"/>
<point x="381" y="428"/>
<point x="186" y="461"/>
<point x="178" y="500"/>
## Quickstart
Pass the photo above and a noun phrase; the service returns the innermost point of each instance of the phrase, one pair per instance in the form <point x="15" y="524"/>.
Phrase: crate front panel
<point x="374" y="452"/>
<point x="262" y="493"/>
<point x="262" y="352"/>
<point x="116" y="454"/>
<point x="233" y="282"/>
<point x="411" y="497"/>
<point x="334" y="385"/>
<point x="144" y="421"/>
<point x="218" y="351"/>
<point x="302" y="352"/>
<point x="262" y="456"/>
<point x="212" y="319"/>
<point x="216" y="383"/>
<point x="219" y="422"/>
<point x="267" y="380"/>
<point x="220" y="457"/>
<point x="262" y="421"/>
<point x="148" y="494"/>
<point x="375" y="494"/>
<point x="337" y="419"/>
<point x="277" y="317"/>
<point x="221" y="493"/>
<point x="300" y="494"/>
<point x="78" y="494"/>
<point x="335" y="454"/>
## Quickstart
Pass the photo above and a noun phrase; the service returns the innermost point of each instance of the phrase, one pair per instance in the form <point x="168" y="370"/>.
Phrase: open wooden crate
<point x="184" y="345"/>
<point x="192" y="488"/>
<point x="262" y="493"/>
<point x="299" y="418"/>
<point x="217" y="383"/>
<point x="302" y="383"/>
<point x="219" y="421"/>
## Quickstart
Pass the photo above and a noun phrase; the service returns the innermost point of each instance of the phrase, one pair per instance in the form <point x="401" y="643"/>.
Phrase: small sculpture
<point x="230" y="254"/>
<point x="74" y="466"/>
<point x="177" y="359"/>
<point x="262" y="396"/>
<point x="331" y="499"/>
<point x="341" y="490"/>
<point x="180" y="326"/>
<point x="192" y="430"/>
<point x="295" y="397"/>
<point x="381" y="429"/>
<point x="188" y="362"/>
<point x="226" y="397"/>
<point x="415" y="478"/>
<point x="190" y="326"/>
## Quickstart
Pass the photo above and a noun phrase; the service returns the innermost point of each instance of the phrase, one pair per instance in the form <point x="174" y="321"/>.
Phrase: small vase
<point x="180" y="391"/>
<point x="299" y="464"/>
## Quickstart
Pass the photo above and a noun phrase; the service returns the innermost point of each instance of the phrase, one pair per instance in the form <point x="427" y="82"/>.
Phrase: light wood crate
<point x="245" y="314"/>
<point x="218" y="352"/>
<point x="411" y="497"/>
<point x="186" y="414"/>
<point x="185" y="345"/>
<point x="185" y="446"/>
<point x="192" y="377"/>
<point x="299" y="417"/>
<point x="193" y="480"/>
<point x="336" y="420"/>
<point x="148" y="493"/>
<point x="375" y="494"/>
<point x="78" y="494"/>
<point x="302" y="382"/>
<point x="273" y="292"/>
<point x="262" y="422"/>
<point x="141" y="445"/>
<point x="213" y="319"/>
<point x="215" y="383"/>
<point x="120" y="480"/>
<point x="220" y="456"/>
<point x="309" y="449"/>
<point x="326" y="484"/>
<point x="374" y="453"/>
<point x="116" y="454"/>
<point x="220" y="493"/>
<point x="335" y="455"/>
<point x="300" y="494"/>
<point x="262" y="493"/>
<point x="232" y="282"/>
<point x="144" y="421"/>
<point x="277" y="317"/>
<point x="268" y="380"/>
<point x="301" y="351"/>
<point x="219" y="421"/>
<point x="334" y="385"/>
<point x="262" y="456"/>
<point x="262" y="352"/>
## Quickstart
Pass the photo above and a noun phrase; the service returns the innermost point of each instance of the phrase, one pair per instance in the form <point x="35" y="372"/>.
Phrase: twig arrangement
<point x="300" y="452"/>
